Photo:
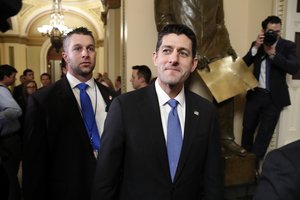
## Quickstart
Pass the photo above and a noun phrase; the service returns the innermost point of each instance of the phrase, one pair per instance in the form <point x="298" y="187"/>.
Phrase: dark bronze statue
<point x="8" y="8"/>
<point x="206" y="18"/>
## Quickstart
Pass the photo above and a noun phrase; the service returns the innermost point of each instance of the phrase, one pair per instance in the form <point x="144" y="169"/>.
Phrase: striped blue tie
<point x="174" y="137"/>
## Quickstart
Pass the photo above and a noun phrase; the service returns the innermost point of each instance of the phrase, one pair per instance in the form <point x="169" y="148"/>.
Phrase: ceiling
<point x="35" y="13"/>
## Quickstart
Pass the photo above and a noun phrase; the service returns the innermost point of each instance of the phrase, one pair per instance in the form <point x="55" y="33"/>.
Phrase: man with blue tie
<point x="63" y="124"/>
<point x="162" y="141"/>
<point x="272" y="58"/>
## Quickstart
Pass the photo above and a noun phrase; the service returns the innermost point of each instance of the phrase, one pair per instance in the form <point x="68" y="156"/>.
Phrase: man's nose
<point x="85" y="52"/>
<point x="173" y="57"/>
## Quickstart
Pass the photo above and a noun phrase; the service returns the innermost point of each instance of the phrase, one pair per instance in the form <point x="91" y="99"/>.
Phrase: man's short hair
<point x="80" y="31"/>
<point x="6" y="70"/>
<point x="270" y="19"/>
<point x="143" y="71"/>
<point x="178" y="29"/>
<point x="26" y="71"/>
<point x="45" y="74"/>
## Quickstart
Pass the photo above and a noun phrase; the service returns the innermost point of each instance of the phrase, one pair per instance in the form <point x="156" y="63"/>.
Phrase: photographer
<point x="272" y="57"/>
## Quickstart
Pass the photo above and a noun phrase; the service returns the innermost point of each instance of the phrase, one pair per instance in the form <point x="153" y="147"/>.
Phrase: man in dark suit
<point x="273" y="57"/>
<point x="280" y="178"/>
<point x="135" y="161"/>
<point x="28" y="74"/>
<point x="206" y="19"/>
<point x="59" y="154"/>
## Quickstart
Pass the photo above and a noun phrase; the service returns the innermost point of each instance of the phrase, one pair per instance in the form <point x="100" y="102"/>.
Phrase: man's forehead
<point x="274" y="26"/>
<point x="175" y="40"/>
<point x="77" y="39"/>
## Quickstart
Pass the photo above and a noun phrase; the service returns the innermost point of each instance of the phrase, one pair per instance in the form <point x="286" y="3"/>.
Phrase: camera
<point x="270" y="37"/>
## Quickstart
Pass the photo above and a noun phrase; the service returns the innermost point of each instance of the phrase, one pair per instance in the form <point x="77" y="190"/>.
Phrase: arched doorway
<point x="54" y="63"/>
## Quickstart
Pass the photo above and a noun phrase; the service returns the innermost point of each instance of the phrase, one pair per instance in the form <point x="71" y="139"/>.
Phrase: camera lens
<point x="270" y="37"/>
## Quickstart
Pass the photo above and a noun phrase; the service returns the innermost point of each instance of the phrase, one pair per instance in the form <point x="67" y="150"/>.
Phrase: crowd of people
<point x="79" y="138"/>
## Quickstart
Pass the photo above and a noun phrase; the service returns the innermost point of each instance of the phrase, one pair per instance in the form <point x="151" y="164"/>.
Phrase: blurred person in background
<point x="141" y="76"/>
<point x="45" y="79"/>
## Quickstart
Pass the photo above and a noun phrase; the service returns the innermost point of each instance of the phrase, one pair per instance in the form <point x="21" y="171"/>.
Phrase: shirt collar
<point x="163" y="97"/>
<point x="74" y="81"/>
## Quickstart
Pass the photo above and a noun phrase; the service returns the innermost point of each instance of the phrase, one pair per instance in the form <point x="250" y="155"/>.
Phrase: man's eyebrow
<point x="166" y="46"/>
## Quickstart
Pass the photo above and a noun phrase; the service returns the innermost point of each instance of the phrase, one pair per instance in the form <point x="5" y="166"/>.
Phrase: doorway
<point x="54" y="63"/>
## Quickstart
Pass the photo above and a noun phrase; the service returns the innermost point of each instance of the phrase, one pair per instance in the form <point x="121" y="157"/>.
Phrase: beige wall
<point x="112" y="45"/>
<point x="16" y="58"/>
<point x="33" y="62"/>
<point x="140" y="35"/>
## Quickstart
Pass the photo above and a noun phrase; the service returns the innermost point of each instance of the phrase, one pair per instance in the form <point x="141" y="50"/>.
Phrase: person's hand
<point x="203" y="63"/>
<point x="260" y="39"/>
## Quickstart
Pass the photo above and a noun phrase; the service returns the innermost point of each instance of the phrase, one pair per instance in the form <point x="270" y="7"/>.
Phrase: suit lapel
<point x="191" y="119"/>
<point x="106" y="95"/>
<point x="151" y="118"/>
<point x="72" y="111"/>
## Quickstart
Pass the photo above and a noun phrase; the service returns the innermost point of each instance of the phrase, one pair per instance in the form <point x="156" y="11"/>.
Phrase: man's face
<point x="174" y="60"/>
<point x="274" y="27"/>
<point x="45" y="80"/>
<point x="29" y="76"/>
<point x="22" y="79"/>
<point x="80" y="56"/>
<point x="135" y="80"/>
<point x="9" y="80"/>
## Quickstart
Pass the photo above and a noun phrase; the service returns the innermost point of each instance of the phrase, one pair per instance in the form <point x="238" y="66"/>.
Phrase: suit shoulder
<point x="199" y="99"/>
<point x="135" y="94"/>
<point x="106" y="91"/>
<point x="46" y="92"/>
<point x="288" y="152"/>
<point x="288" y="42"/>
<point x="291" y="147"/>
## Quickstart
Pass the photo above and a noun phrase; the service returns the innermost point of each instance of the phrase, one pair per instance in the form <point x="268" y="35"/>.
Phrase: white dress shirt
<point x="262" y="74"/>
<point x="164" y="107"/>
<point x="97" y="100"/>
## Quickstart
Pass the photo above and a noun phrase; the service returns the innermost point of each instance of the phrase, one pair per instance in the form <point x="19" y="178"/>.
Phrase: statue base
<point x="239" y="170"/>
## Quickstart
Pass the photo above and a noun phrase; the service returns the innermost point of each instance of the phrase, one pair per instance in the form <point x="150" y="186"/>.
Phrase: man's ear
<point x="154" y="56"/>
<point x="65" y="56"/>
<point x="195" y="63"/>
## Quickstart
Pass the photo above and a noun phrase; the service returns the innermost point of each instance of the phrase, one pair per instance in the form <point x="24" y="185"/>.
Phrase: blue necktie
<point x="268" y="73"/>
<point x="174" y="137"/>
<point x="89" y="116"/>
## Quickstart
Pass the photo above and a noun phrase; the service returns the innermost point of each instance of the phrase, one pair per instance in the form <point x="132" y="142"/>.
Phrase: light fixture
<point x="57" y="29"/>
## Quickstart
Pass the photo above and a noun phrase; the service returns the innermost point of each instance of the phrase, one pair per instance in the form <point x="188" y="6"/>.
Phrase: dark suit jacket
<point x="280" y="179"/>
<point x="18" y="92"/>
<point x="133" y="160"/>
<point x="58" y="157"/>
<point x="284" y="62"/>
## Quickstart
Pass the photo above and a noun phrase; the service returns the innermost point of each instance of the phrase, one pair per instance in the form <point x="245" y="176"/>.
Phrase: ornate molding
<point x="280" y="10"/>
<point x="112" y="4"/>
<point x="109" y="4"/>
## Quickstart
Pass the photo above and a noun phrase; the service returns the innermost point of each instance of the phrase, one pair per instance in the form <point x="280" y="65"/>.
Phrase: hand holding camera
<point x="260" y="39"/>
<point x="270" y="38"/>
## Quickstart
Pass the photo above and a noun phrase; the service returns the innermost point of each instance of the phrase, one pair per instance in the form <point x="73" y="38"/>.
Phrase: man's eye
<point x="184" y="54"/>
<point x="166" y="51"/>
<point x="91" y="49"/>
